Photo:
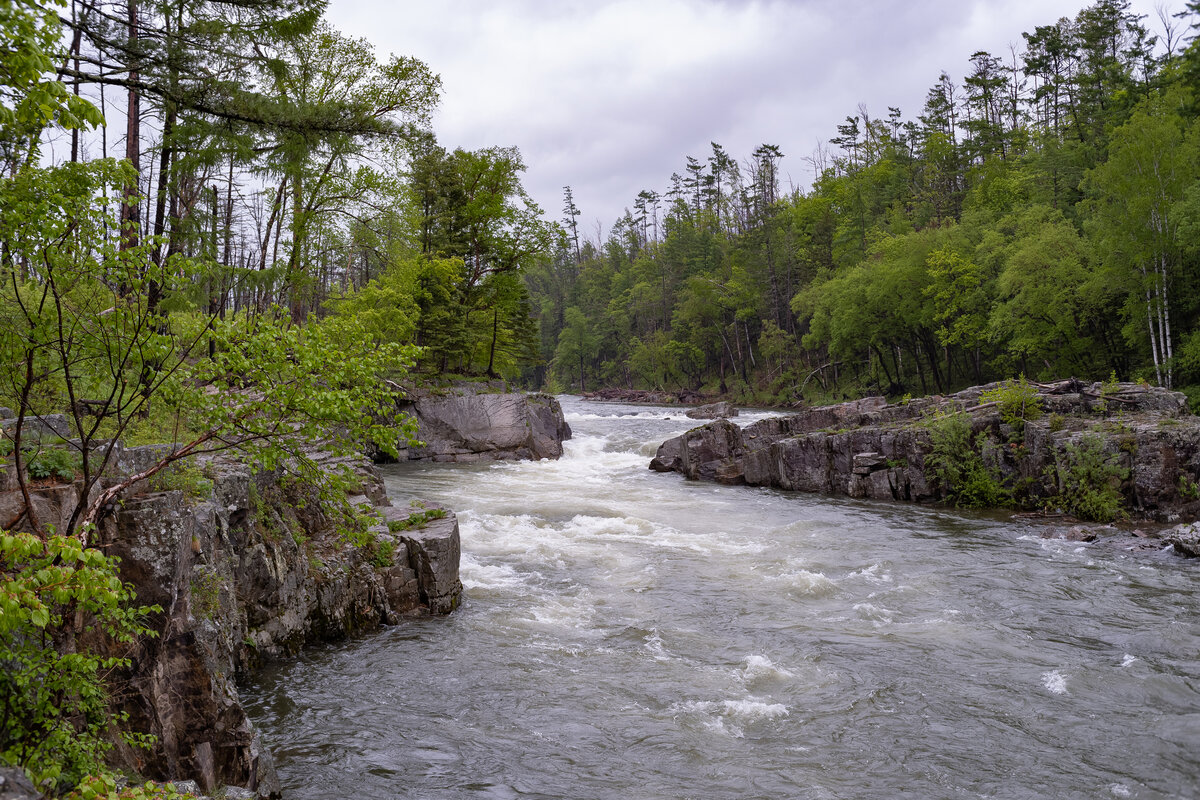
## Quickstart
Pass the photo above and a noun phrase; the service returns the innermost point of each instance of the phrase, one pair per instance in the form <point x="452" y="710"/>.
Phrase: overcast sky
<point x="610" y="96"/>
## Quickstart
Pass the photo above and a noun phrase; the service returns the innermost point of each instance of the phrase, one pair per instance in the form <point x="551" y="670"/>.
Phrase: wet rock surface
<point x="1185" y="539"/>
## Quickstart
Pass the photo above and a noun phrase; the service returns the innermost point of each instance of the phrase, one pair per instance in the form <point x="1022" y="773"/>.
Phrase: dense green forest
<point x="1040" y="216"/>
<point x="227" y="225"/>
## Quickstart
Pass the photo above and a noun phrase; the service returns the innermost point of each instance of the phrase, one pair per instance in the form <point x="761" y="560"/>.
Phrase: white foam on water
<point x="1055" y="682"/>
<point x="478" y="577"/>
<point x="1120" y="790"/>
<point x="804" y="582"/>
<point x="654" y="645"/>
<point x="663" y="415"/>
<point x="731" y="717"/>
<point x="874" y="613"/>
<point x="571" y="613"/>
<point x="758" y="668"/>
<point x="751" y="711"/>
<point x="1128" y="660"/>
<point x="874" y="574"/>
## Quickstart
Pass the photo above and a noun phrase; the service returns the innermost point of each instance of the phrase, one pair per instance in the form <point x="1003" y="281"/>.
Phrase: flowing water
<point x="628" y="635"/>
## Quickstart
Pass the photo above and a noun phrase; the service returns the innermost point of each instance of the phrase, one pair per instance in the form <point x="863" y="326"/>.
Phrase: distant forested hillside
<point x="1040" y="215"/>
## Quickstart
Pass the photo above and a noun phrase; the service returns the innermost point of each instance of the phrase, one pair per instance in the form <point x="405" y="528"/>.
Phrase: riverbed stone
<point x="1185" y="539"/>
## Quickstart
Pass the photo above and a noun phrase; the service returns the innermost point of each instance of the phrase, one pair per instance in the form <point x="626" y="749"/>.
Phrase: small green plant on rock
<point x="1089" y="481"/>
<point x="206" y="594"/>
<point x="53" y="462"/>
<point x="183" y="476"/>
<point x="382" y="553"/>
<point x="416" y="519"/>
<point x="1108" y="389"/>
<point x="1188" y="488"/>
<point x="1018" y="403"/>
<point x="957" y="465"/>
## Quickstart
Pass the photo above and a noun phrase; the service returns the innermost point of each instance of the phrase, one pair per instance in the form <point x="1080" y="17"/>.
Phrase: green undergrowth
<point x="957" y="465"/>
<point x="1089" y="481"/>
<point x="416" y="519"/>
<point x="55" y="720"/>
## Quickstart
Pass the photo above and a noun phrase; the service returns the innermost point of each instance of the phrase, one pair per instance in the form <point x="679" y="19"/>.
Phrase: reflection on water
<point x="628" y="634"/>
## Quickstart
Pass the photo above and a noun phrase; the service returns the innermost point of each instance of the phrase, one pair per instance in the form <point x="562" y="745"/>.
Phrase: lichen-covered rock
<point x="14" y="785"/>
<point x="487" y="427"/>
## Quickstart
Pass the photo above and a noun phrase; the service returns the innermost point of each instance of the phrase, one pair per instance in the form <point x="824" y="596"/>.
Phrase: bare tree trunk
<point x="130" y="212"/>
<point x="1153" y="333"/>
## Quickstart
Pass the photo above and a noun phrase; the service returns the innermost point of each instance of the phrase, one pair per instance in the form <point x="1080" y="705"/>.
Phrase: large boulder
<point x="721" y="410"/>
<point x="487" y="427"/>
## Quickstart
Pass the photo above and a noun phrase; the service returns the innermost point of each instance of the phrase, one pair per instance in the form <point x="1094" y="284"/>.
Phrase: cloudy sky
<point x="610" y="96"/>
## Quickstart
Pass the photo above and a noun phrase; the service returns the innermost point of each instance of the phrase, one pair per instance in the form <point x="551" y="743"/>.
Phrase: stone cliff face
<point x="252" y="571"/>
<point x="462" y="425"/>
<point x="870" y="449"/>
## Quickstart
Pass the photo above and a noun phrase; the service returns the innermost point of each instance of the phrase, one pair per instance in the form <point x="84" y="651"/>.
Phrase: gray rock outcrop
<point x="253" y="571"/>
<point x="14" y="785"/>
<point x="1185" y="539"/>
<point x="870" y="449"/>
<point x="466" y="426"/>
<point x="721" y="410"/>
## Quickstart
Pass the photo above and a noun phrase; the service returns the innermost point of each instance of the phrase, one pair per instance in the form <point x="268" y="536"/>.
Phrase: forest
<point x="240" y="166"/>
<point x="1040" y="216"/>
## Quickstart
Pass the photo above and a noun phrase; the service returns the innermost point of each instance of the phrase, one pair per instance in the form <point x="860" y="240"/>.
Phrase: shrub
<point x="1018" y="403"/>
<point x="957" y="466"/>
<point x="55" y="462"/>
<point x="1089" y="481"/>
<point x="54" y="715"/>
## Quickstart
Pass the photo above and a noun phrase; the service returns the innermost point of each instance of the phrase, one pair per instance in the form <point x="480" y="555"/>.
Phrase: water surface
<point x="628" y="634"/>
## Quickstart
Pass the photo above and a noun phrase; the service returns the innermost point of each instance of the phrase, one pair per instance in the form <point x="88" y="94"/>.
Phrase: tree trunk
<point x="130" y="216"/>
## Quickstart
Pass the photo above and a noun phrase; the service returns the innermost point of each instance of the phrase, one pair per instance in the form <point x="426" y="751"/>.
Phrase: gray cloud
<point x="610" y="96"/>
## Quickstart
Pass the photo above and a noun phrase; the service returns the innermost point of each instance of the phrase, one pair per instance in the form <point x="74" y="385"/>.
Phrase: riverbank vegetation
<point x="1039" y="215"/>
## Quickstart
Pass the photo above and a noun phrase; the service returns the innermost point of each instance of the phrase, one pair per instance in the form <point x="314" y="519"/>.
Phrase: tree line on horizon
<point x="1040" y="217"/>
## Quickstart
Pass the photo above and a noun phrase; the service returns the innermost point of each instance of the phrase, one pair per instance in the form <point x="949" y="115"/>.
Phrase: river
<point x="627" y="634"/>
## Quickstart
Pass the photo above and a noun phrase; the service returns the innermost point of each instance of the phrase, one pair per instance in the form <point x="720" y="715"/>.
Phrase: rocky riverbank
<point x="613" y="395"/>
<point x="247" y="566"/>
<point x="252" y="572"/>
<point x="1144" y="439"/>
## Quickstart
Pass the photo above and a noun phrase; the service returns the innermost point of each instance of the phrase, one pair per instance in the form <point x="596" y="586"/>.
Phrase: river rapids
<point x="627" y="634"/>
